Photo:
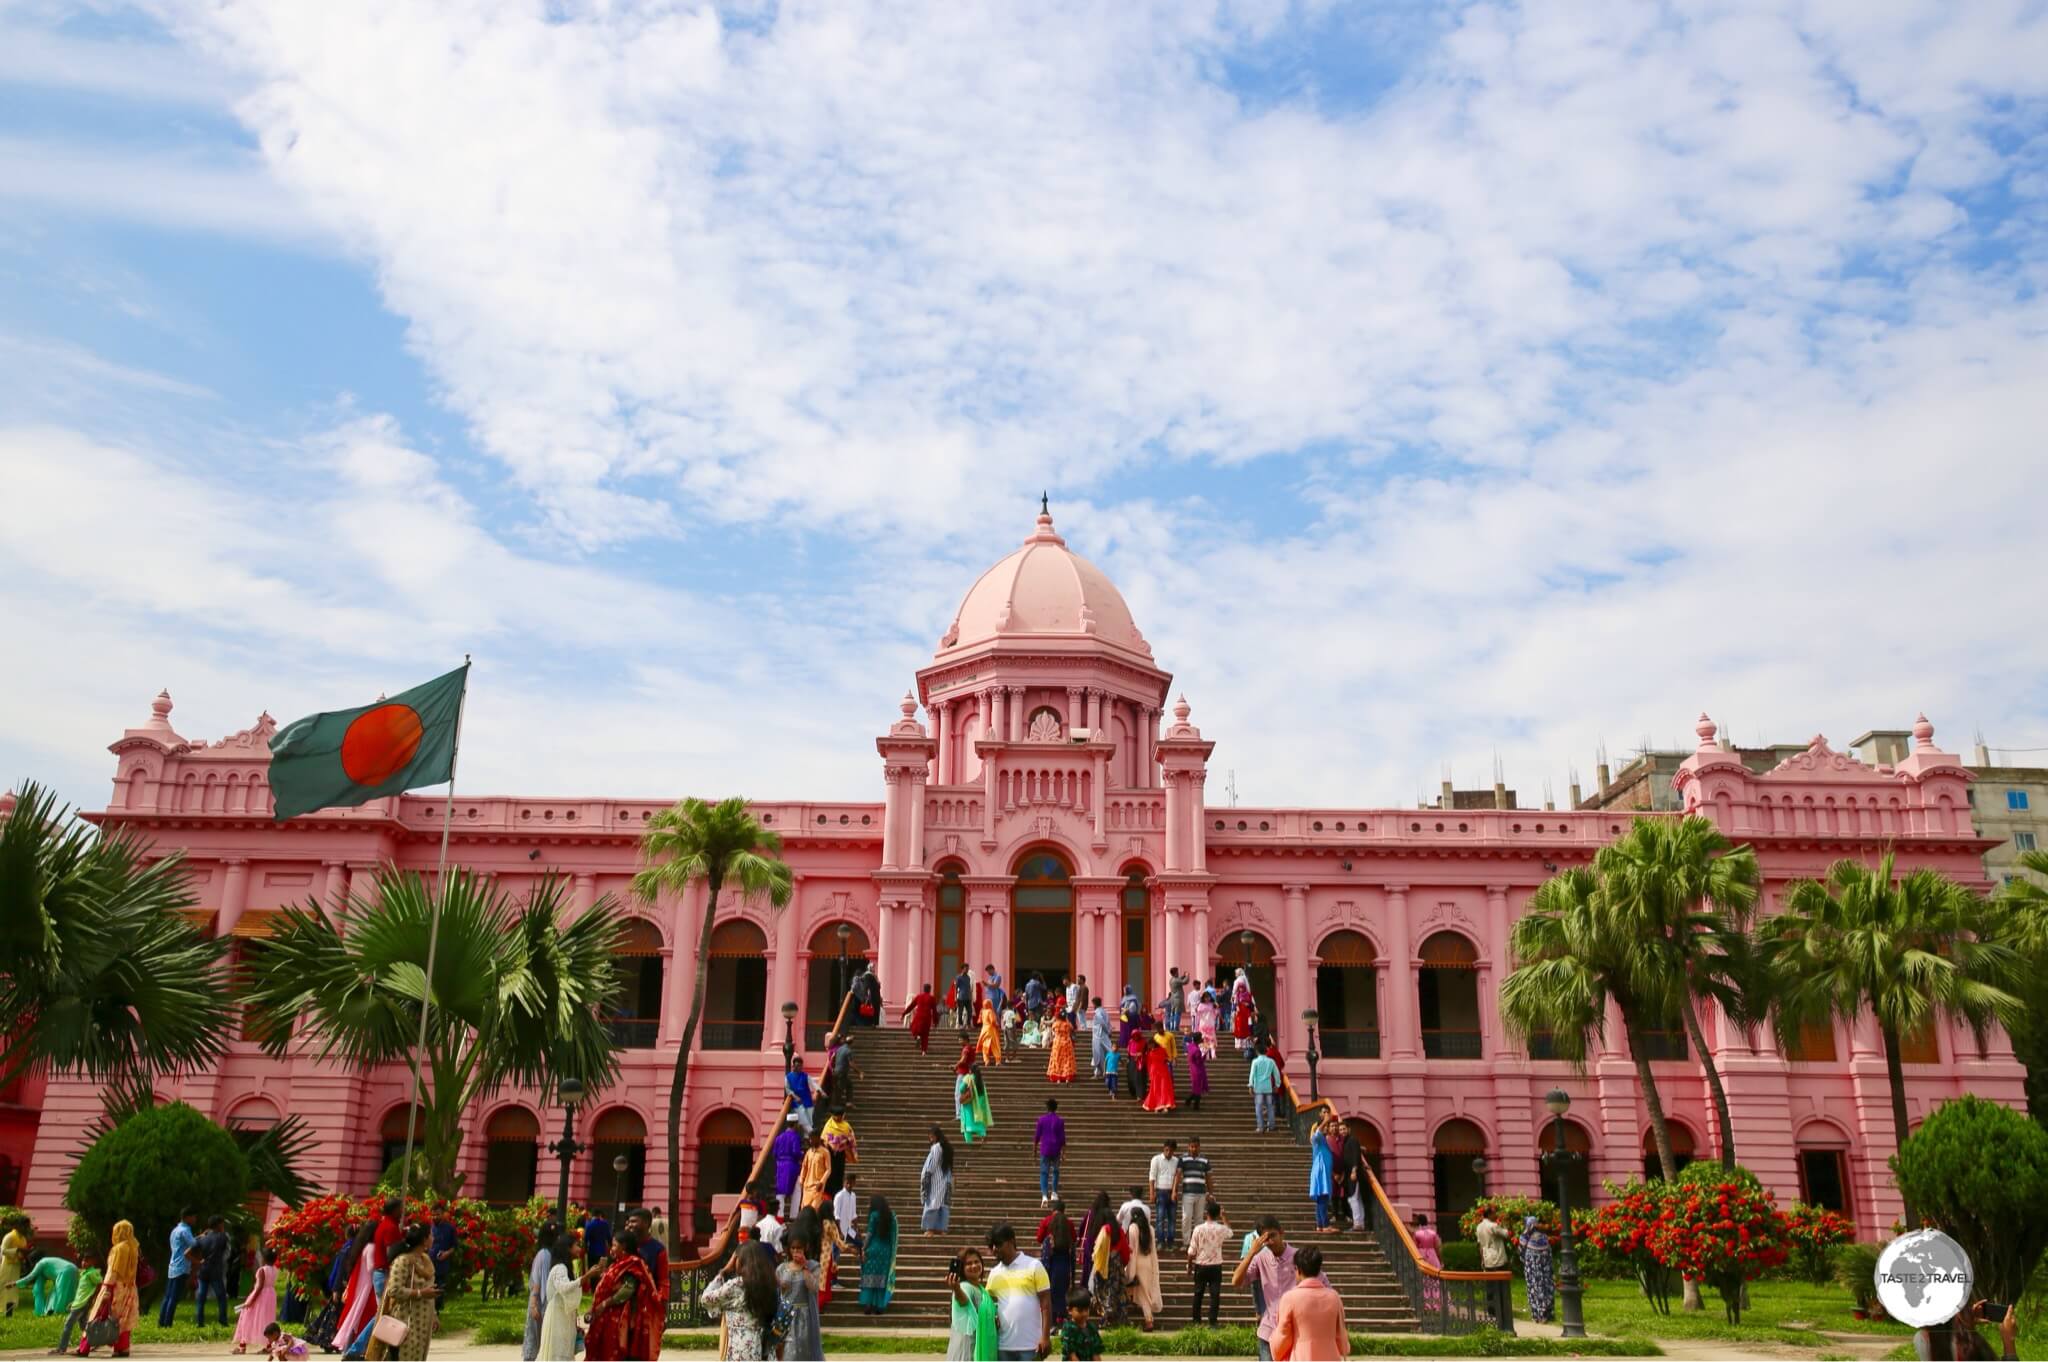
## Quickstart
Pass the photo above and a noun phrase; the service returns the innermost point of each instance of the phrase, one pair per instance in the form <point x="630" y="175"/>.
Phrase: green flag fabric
<point x="351" y="756"/>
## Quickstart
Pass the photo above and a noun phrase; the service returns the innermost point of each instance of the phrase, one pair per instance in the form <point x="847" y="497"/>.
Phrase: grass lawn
<point x="1778" y="1312"/>
<point x="1232" y="1342"/>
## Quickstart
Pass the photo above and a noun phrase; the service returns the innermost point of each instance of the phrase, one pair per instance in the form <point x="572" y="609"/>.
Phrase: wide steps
<point x="1109" y="1146"/>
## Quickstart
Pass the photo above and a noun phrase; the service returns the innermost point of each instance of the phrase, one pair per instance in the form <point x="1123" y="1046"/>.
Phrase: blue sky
<point x="1435" y="380"/>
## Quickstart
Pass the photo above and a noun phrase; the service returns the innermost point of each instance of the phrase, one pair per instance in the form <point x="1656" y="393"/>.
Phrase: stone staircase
<point x="1109" y="1145"/>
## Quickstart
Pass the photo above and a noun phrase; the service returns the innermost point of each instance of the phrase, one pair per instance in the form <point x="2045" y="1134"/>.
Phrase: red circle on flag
<point x="380" y="742"/>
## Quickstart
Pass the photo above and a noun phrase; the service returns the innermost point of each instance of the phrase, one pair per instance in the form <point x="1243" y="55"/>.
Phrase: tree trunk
<point x="1660" y="1129"/>
<point x="675" y="1096"/>
<point x="1901" y="1123"/>
<point x="1697" y="1035"/>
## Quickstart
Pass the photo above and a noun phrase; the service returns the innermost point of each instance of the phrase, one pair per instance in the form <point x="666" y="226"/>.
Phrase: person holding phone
<point x="1269" y="1264"/>
<point x="1959" y="1340"/>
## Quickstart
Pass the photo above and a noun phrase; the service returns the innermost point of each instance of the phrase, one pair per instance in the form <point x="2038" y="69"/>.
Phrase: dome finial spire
<point x="1044" y="503"/>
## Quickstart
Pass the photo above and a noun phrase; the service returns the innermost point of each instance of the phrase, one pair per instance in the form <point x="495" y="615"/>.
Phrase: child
<point x="1079" y="1338"/>
<point x="1009" y="1027"/>
<point x="280" y="1346"/>
<point x="1031" y="1033"/>
<point x="1109" y="1070"/>
<point x="82" y="1297"/>
<point x="845" y="1206"/>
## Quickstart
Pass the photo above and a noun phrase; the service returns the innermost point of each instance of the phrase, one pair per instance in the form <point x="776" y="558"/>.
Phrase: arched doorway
<point x="511" y="1156"/>
<point x="636" y="1017"/>
<point x="949" y="934"/>
<point x="1136" y="901"/>
<point x="1824" y="1166"/>
<point x="1683" y="1150"/>
<point x="391" y="1138"/>
<point x="1042" y="922"/>
<point x="1457" y="1142"/>
<point x="1578" y="1174"/>
<point x="1369" y="1142"/>
<point x="834" y="962"/>
<point x="1448" y="995"/>
<point x="725" y="1155"/>
<point x="1258" y="971"/>
<point x="619" y="1131"/>
<point x="736" y="986"/>
<point x="1347" y="997"/>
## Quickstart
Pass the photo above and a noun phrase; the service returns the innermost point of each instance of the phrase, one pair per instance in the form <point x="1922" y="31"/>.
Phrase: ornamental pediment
<point x="1821" y="762"/>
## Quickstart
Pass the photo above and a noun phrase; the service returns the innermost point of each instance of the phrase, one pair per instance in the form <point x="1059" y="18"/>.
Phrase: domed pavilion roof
<point x="1044" y="589"/>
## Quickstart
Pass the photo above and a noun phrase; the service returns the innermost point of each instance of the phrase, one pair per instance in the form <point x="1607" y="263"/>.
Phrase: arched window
<point x="258" y="1113"/>
<point x="949" y="937"/>
<point x="725" y="1155"/>
<point x="1042" y="921"/>
<point x="1683" y="1150"/>
<point x="1814" y="1044"/>
<point x="619" y="1133"/>
<point x="1824" y="1166"/>
<point x="737" y="984"/>
<point x="835" y="960"/>
<point x="1137" y="930"/>
<point x="511" y="1157"/>
<point x="636" y="1022"/>
<point x="1578" y="1172"/>
<point x="1231" y="956"/>
<point x="1447" y="992"/>
<point x="391" y="1138"/>
<point x="1457" y="1142"/>
<point x="1347" y="997"/>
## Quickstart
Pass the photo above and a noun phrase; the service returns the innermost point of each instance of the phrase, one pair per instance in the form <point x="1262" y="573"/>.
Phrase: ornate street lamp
<point x="1557" y="1101"/>
<point x="619" y="1166"/>
<point x="845" y="932"/>
<point x="1479" y="1171"/>
<point x="566" y="1149"/>
<point x="788" y="1035"/>
<point x="1308" y="1016"/>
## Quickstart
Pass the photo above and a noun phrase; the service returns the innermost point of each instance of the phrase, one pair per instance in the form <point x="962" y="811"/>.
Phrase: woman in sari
<point x="1159" y="1094"/>
<point x="1430" y="1245"/>
<point x="626" y="1315"/>
<point x="878" y="1259"/>
<point x="1144" y="1268"/>
<point x="832" y="1248"/>
<point x="935" y="1184"/>
<point x="991" y="1045"/>
<point x="799" y="1278"/>
<point x="1536" y="1269"/>
<point x="564" y="1295"/>
<point x="967" y="1103"/>
<point x="1107" y="1267"/>
<point x="841" y="1146"/>
<point x="1059" y="1065"/>
<point x="1241" y="1008"/>
<point x="537" y="1273"/>
<point x="745" y="1297"/>
<point x="116" y="1300"/>
<point x="409" y="1296"/>
<point x="360" y="1297"/>
<point x="1198" y="1076"/>
<point x="972" y="1337"/>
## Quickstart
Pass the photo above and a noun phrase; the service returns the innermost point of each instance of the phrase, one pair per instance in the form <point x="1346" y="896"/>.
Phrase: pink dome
<point x="1044" y="588"/>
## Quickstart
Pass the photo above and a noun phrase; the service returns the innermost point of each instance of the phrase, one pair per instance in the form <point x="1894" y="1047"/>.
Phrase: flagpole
<point x="433" y="942"/>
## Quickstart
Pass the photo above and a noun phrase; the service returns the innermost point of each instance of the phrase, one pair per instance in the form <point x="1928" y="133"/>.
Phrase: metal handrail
<point x="686" y="1276"/>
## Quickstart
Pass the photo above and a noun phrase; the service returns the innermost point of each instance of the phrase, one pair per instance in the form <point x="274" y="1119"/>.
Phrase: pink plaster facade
<point x="1048" y="726"/>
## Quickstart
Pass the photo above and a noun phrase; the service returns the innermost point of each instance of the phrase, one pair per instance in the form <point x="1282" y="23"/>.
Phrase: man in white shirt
<point x="844" y="1208"/>
<point x="1165" y="1168"/>
<point x="1137" y="1202"/>
<point x="1023" y="1296"/>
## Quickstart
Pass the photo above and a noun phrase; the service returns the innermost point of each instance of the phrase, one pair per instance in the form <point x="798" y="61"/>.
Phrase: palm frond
<point x="278" y="1156"/>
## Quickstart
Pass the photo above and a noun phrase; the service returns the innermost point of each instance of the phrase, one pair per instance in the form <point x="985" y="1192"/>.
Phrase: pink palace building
<point x="1048" y="813"/>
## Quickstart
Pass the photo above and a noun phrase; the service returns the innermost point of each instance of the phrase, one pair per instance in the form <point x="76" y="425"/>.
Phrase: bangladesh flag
<point x="352" y="756"/>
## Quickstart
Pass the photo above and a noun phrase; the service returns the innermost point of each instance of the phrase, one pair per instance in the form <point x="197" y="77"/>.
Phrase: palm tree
<point x="719" y="844"/>
<point x="1909" y="950"/>
<point x="2022" y="923"/>
<point x="1690" y="892"/>
<point x="1572" y="953"/>
<point x="517" y="996"/>
<point x="101" y="973"/>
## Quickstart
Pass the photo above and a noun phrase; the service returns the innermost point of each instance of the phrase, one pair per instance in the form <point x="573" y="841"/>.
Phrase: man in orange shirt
<point x="1309" y="1323"/>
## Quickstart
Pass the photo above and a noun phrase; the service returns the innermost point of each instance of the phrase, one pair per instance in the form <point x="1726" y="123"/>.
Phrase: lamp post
<point x="1308" y="1017"/>
<point x="1479" y="1171"/>
<point x="619" y="1165"/>
<point x="844" y="931"/>
<point x="566" y="1149"/>
<point x="788" y="1034"/>
<point x="1558" y="1102"/>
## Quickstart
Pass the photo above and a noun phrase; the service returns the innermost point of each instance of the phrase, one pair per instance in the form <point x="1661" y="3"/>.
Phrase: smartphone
<point x="1990" y="1312"/>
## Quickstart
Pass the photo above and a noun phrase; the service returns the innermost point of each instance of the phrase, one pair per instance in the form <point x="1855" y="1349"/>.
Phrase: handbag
<point x="389" y="1330"/>
<point x="102" y="1331"/>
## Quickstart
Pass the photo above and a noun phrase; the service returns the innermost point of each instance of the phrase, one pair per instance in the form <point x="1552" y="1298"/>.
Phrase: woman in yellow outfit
<point x="116" y="1300"/>
<point x="991" y="1036"/>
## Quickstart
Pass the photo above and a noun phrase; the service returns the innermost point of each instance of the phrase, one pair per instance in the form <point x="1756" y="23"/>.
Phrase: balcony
<point x="1351" y="1044"/>
<point x="633" y="1033"/>
<point x="733" y="1035"/>
<point x="1663" y="1045"/>
<point x="1451" y="1045"/>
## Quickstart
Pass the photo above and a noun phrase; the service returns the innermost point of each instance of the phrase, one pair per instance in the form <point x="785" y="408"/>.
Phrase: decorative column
<point x="335" y="890"/>
<point x="1016" y="713"/>
<point x="679" y="961"/>
<point x="1300" y="992"/>
<point x="1493" y="968"/>
<point x="942" y="723"/>
<point x="583" y="894"/>
<point x="1094" y="710"/>
<point x="992" y="727"/>
<point x="913" y="852"/>
<point x="1148" y="727"/>
<point x="234" y="897"/>
<point x="916" y="952"/>
<point x="1197" y="782"/>
<point x="789" y="941"/>
<point x="1402" y="1026"/>
<point x="1205" y="957"/>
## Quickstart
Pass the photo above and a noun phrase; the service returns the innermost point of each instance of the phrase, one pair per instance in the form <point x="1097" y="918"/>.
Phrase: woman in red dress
<point x="1158" y="1078"/>
<point x="626" y="1315"/>
<point x="924" y="1009"/>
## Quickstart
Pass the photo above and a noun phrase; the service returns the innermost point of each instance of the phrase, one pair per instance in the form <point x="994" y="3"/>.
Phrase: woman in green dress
<point x="973" y="1335"/>
<point x="878" y="1259"/>
<point x="409" y="1294"/>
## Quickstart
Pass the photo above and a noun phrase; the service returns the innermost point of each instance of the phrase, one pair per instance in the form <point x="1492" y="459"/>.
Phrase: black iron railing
<point x="1351" y="1044"/>
<point x="1663" y="1045"/>
<point x="1451" y="1045"/>
<point x="633" y="1033"/>
<point x="733" y="1035"/>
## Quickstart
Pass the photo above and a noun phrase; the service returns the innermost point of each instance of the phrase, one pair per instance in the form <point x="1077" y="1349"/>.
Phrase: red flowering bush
<point x="303" y="1243"/>
<point x="1720" y="1233"/>
<point x="1811" y="1233"/>
<point x="1626" y="1229"/>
